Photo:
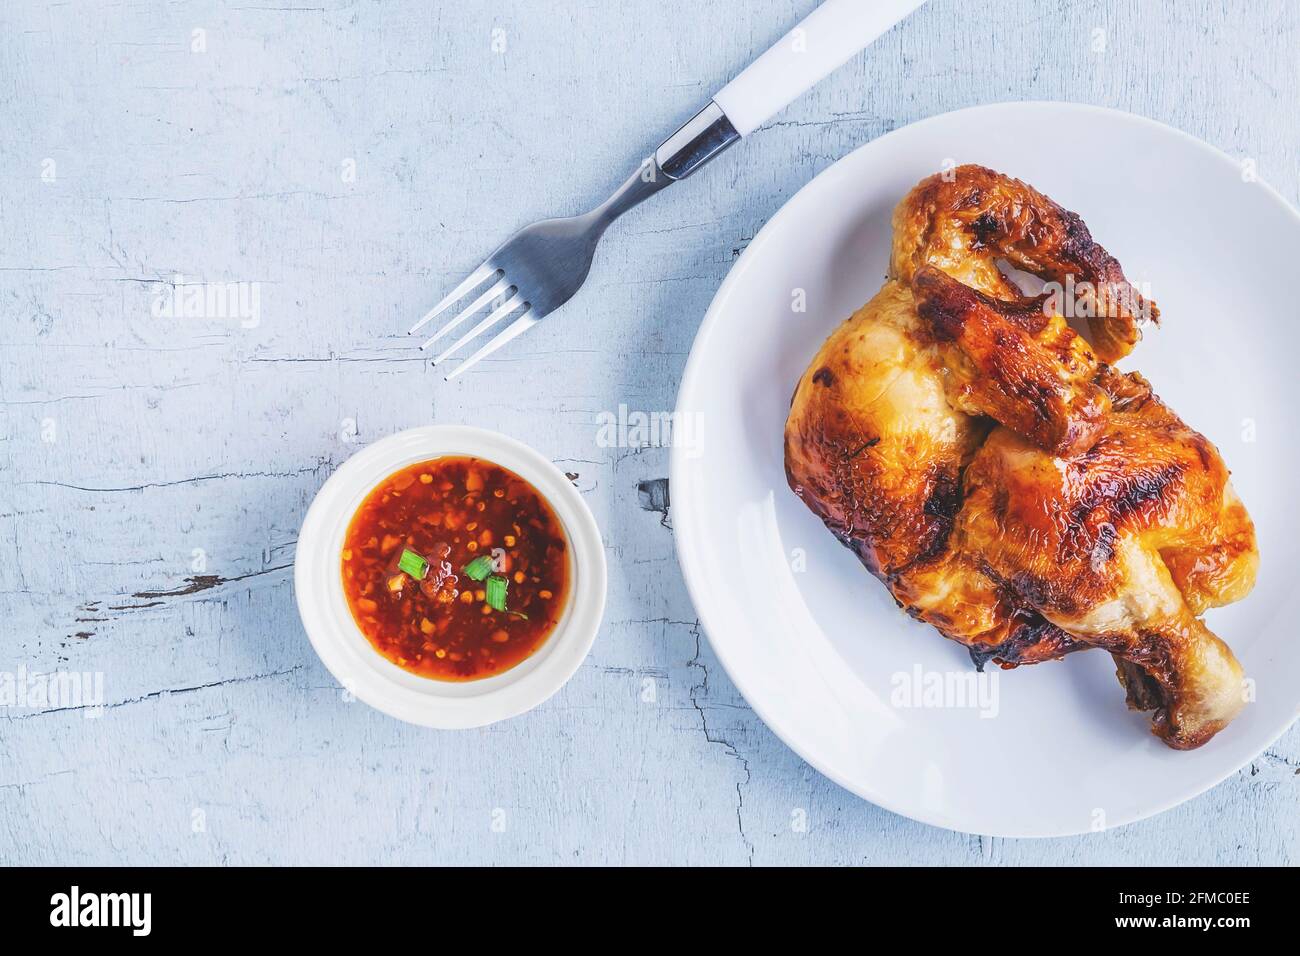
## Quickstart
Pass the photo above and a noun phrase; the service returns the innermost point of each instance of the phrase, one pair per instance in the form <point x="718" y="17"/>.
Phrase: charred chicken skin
<point x="1006" y="484"/>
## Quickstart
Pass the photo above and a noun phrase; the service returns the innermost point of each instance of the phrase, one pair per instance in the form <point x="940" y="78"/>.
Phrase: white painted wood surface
<point x="154" y="470"/>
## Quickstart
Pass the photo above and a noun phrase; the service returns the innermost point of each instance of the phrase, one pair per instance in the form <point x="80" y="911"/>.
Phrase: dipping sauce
<point x="455" y="569"/>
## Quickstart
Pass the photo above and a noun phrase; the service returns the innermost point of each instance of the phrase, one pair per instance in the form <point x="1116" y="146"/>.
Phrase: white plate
<point x="353" y="660"/>
<point x="817" y="646"/>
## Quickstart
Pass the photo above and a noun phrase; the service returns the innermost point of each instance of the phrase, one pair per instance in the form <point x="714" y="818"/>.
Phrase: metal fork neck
<point x="639" y="187"/>
<point x="701" y="140"/>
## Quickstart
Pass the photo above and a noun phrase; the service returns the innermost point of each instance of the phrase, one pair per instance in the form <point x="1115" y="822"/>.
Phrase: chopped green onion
<point x="496" y="592"/>
<point x="479" y="568"/>
<point x="413" y="564"/>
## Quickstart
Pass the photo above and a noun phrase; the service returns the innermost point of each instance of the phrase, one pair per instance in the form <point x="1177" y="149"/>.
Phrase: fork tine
<point x="499" y="289"/>
<point x="475" y="279"/>
<point x="496" y="316"/>
<point x="515" y="328"/>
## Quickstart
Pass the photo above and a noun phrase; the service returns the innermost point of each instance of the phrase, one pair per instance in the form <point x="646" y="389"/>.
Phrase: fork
<point x="540" y="267"/>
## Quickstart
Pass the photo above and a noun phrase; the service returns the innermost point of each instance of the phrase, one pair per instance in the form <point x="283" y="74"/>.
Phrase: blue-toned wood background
<point x="353" y="158"/>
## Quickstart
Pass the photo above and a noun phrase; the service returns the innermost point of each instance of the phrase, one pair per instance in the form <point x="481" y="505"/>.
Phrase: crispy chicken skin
<point x="1006" y="484"/>
<point x="963" y="221"/>
<point x="1014" y="362"/>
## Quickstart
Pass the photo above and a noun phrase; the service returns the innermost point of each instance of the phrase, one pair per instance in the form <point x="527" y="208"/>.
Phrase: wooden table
<point x="345" y="161"/>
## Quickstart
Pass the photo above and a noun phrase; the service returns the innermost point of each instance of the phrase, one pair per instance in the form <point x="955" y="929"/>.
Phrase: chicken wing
<point x="965" y="220"/>
<point x="1004" y="482"/>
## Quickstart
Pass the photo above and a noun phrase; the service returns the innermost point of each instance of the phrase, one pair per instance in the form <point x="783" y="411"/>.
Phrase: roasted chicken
<point x="1009" y="487"/>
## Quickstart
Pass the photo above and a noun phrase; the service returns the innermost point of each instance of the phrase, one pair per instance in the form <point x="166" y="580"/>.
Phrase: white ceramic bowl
<point x="350" y="657"/>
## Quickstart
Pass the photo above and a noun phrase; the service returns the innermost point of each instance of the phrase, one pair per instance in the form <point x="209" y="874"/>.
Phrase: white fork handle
<point x="805" y="56"/>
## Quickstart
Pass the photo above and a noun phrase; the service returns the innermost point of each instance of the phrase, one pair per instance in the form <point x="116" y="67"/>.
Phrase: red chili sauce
<point x="455" y="569"/>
